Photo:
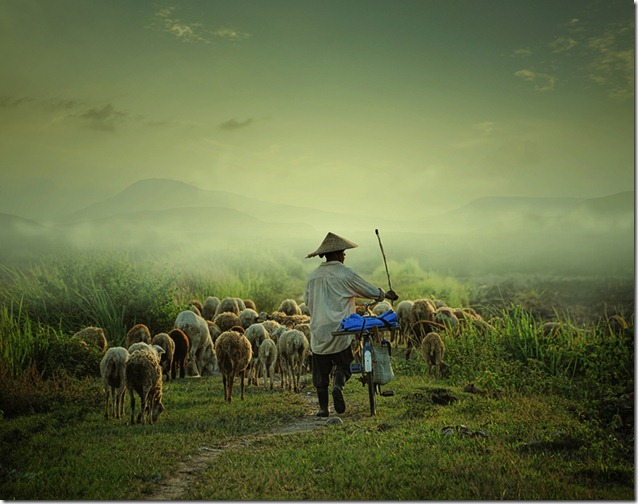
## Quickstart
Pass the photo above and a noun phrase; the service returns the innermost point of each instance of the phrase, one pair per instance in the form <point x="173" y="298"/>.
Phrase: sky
<point x="391" y="107"/>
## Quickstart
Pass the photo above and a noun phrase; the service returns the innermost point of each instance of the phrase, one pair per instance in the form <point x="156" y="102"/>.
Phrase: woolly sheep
<point x="196" y="328"/>
<point x="144" y="378"/>
<point x="214" y="330"/>
<point x="403" y="318"/>
<point x="182" y="345"/>
<point x="256" y="334"/>
<point x="240" y="304"/>
<point x="226" y="320"/>
<point x="249" y="303"/>
<point x="208" y="308"/>
<point x="140" y="345"/>
<point x="433" y="351"/>
<point x="422" y="312"/>
<point x="228" y="304"/>
<point x="267" y="356"/>
<point x="234" y="353"/>
<point x="139" y="332"/>
<point x="209" y="360"/>
<point x="445" y="316"/>
<point x="248" y="317"/>
<point x="305" y="329"/>
<point x="195" y="306"/>
<point x="112" y="370"/>
<point x="92" y="336"/>
<point x="166" y="359"/>
<point x="381" y="307"/>
<point x="304" y="309"/>
<point x="292" y="347"/>
<point x="289" y="307"/>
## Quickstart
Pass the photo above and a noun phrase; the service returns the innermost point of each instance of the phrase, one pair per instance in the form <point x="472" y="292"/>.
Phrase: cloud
<point x="102" y="118"/>
<point x="562" y="44"/>
<point x="231" y="34"/>
<point x="547" y="82"/>
<point x="192" y="31"/>
<point x="523" y="51"/>
<point x="233" y="124"/>
<point x="612" y="65"/>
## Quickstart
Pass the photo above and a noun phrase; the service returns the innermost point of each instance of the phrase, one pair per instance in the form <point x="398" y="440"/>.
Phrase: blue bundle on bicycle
<point x="355" y="322"/>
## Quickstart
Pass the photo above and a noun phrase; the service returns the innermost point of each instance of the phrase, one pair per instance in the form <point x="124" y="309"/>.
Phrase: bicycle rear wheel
<point x="372" y="395"/>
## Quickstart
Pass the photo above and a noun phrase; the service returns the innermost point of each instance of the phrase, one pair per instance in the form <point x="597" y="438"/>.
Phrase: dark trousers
<point x="322" y="366"/>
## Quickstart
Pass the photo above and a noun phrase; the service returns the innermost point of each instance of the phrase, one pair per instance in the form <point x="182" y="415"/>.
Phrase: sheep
<point x="140" y="345"/>
<point x="208" y="308"/>
<point x="271" y="326"/>
<point x="256" y="334"/>
<point x="288" y="320"/>
<point x="267" y="356"/>
<point x="214" y="330"/>
<point x="240" y="304"/>
<point x="166" y="359"/>
<point x="304" y="309"/>
<point x="380" y="308"/>
<point x="226" y="320"/>
<point x="112" y="370"/>
<point x="92" y="336"/>
<point x="182" y="345"/>
<point x="249" y="303"/>
<point x="305" y="329"/>
<point x="421" y="314"/>
<point x="198" y="334"/>
<point x="248" y="317"/>
<point x="139" y="332"/>
<point x="195" y="306"/>
<point x="289" y="307"/>
<point x="144" y="377"/>
<point x="445" y="316"/>
<point x="209" y="360"/>
<point x="433" y="351"/>
<point x="234" y="352"/>
<point x="228" y="304"/>
<point x="292" y="347"/>
<point x="403" y="318"/>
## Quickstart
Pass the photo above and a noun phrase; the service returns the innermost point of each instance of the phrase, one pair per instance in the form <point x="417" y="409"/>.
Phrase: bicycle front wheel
<point x="372" y="395"/>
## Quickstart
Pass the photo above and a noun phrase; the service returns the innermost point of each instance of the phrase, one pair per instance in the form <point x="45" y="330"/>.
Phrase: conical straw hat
<point x="332" y="243"/>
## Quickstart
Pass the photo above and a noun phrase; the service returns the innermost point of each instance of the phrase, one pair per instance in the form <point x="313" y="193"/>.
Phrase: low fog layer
<point x="551" y="236"/>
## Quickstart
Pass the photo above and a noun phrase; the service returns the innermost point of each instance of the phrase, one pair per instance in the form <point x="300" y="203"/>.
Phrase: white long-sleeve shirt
<point x="330" y="296"/>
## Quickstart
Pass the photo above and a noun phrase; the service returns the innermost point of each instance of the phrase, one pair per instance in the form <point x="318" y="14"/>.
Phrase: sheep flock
<point x="230" y="338"/>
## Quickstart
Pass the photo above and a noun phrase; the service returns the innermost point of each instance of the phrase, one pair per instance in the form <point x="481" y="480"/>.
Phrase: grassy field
<point x="522" y="416"/>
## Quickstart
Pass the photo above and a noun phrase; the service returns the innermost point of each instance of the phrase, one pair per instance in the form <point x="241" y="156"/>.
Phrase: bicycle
<point x="365" y="339"/>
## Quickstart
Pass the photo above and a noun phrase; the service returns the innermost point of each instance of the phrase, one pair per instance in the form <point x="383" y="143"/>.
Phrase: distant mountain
<point x="538" y="215"/>
<point x="163" y="194"/>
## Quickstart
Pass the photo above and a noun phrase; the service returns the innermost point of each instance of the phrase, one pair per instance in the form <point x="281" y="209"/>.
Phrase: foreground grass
<point x="431" y="440"/>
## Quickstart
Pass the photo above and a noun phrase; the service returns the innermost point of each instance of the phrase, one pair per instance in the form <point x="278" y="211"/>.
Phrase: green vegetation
<point x="524" y="415"/>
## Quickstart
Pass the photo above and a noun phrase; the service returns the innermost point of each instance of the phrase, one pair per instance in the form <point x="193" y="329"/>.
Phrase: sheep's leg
<point x="120" y="402"/>
<point x="231" y="380"/>
<point x="243" y="386"/>
<point x="106" y="395"/>
<point x="132" y="394"/>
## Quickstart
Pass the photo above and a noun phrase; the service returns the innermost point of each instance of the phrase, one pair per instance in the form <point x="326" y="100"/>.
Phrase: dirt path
<point x="189" y="470"/>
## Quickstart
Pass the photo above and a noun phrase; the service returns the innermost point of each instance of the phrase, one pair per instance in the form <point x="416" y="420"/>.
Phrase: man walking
<point x="330" y="296"/>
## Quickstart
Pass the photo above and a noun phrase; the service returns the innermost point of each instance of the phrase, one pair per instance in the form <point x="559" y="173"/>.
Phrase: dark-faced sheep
<point x="166" y="359"/>
<point x="144" y="378"/>
<point x="92" y="336"/>
<point x="196" y="328"/>
<point x="433" y="351"/>
<point x="182" y="345"/>
<point x="234" y="353"/>
<point x="208" y="308"/>
<point x="113" y="372"/>
<point x="293" y="348"/>
<point x="139" y="332"/>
